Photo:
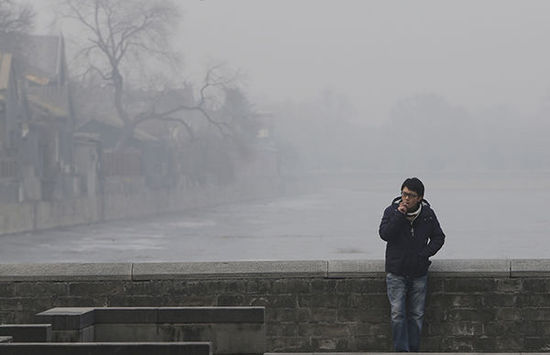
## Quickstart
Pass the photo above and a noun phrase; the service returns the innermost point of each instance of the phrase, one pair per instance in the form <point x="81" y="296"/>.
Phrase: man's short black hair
<point x="414" y="184"/>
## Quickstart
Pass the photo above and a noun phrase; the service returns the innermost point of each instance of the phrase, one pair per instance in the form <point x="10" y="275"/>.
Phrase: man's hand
<point x="402" y="208"/>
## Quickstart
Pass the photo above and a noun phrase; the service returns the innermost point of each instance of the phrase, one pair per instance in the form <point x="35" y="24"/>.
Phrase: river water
<point x="484" y="215"/>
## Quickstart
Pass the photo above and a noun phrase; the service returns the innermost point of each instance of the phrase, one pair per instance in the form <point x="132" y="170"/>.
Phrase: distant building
<point x="10" y="122"/>
<point x="37" y="127"/>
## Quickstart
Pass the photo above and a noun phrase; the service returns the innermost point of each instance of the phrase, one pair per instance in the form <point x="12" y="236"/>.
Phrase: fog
<point x="475" y="54"/>
<point x="358" y="95"/>
<point x="464" y="84"/>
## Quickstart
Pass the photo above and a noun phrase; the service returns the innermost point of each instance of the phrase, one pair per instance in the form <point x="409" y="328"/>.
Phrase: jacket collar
<point x="397" y="201"/>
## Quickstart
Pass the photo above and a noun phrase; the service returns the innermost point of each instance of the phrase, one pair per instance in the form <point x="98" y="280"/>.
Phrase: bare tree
<point x="123" y="33"/>
<point x="14" y="18"/>
<point x="216" y="78"/>
<point x="16" y="21"/>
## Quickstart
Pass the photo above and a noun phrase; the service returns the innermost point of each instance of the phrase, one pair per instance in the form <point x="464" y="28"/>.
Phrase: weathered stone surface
<point x="470" y="267"/>
<point x="536" y="285"/>
<point x="509" y="285"/>
<point x="7" y="289"/>
<point x="106" y="287"/>
<point x="31" y="289"/>
<point x="238" y="269"/>
<point x="172" y="348"/>
<point x="500" y="300"/>
<point x="27" y="333"/>
<point x="471" y="285"/>
<point x="125" y="315"/>
<point x="287" y="286"/>
<point x="465" y="312"/>
<point x="355" y="268"/>
<point x="211" y="315"/>
<point x="68" y="318"/>
<point x="65" y="272"/>
<point x="533" y="300"/>
<point x="530" y="267"/>
<point x="235" y="330"/>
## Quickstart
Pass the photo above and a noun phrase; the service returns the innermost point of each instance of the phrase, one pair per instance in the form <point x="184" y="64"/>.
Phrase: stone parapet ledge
<point x="355" y="268"/>
<point x="234" y="269"/>
<point x="471" y="267"/>
<point x="441" y="268"/>
<point x="448" y="268"/>
<point x="264" y="269"/>
<point x="76" y="318"/>
<point x="65" y="272"/>
<point x="530" y="267"/>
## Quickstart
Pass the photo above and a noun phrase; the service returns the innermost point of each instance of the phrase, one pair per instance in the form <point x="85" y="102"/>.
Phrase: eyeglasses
<point x="408" y="195"/>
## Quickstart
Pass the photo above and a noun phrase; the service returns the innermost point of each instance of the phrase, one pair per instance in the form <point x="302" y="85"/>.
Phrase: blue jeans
<point x="407" y="296"/>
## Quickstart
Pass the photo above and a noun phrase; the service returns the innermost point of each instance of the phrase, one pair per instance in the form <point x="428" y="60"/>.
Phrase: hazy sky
<point x="476" y="53"/>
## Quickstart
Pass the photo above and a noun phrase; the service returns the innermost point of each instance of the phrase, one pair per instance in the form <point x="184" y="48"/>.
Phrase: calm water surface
<point x="485" y="215"/>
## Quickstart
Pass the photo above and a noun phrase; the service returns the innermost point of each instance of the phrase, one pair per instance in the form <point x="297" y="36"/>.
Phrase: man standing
<point x="413" y="235"/>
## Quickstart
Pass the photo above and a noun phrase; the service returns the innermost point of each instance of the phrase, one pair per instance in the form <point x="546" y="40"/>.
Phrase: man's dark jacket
<point x="409" y="246"/>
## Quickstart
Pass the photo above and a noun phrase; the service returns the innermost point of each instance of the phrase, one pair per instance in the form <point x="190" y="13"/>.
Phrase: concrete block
<point x="68" y="318"/>
<point x="126" y="315"/>
<point x="236" y="330"/>
<point x="226" y="338"/>
<point x="87" y="334"/>
<point x="355" y="268"/>
<point x="27" y="333"/>
<point x="80" y="317"/>
<point x="470" y="267"/>
<point x="173" y="348"/>
<point x="65" y="272"/>
<point x="530" y="267"/>
<point x="228" y="270"/>
<point x="142" y="332"/>
<point x="211" y="315"/>
<point x="84" y="335"/>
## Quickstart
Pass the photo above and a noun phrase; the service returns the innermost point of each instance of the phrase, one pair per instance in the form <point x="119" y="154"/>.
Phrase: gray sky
<point x="476" y="53"/>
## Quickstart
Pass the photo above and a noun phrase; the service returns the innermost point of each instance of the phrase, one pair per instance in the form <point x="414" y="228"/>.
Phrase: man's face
<point x="410" y="198"/>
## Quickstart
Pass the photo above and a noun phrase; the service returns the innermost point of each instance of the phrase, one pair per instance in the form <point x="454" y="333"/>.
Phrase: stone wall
<point x="39" y="215"/>
<point x="473" y="305"/>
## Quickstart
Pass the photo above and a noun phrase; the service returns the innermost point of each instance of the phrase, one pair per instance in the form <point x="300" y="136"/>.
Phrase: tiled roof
<point x="42" y="54"/>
